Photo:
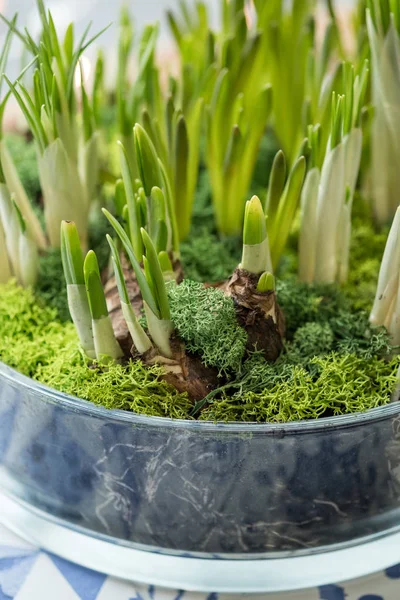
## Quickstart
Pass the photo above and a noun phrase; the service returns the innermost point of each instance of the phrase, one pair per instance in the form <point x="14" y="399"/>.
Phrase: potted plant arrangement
<point x="199" y="305"/>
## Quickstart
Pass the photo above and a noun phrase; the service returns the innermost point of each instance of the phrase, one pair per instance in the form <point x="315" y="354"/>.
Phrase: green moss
<point x="303" y="303"/>
<point x="313" y="338"/>
<point x="342" y="384"/>
<point x="24" y="156"/>
<point x="206" y="320"/>
<point x="209" y="258"/>
<point x="206" y="256"/>
<point x="30" y="333"/>
<point x="99" y="227"/>
<point x="367" y="247"/>
<point x="131" y="387"/>
<point x="37" y="345"/>
<point x="50" y="286"/>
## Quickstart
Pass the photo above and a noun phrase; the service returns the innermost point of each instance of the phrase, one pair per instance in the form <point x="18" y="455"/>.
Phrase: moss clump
<point x="313" y="338"/>
<point x="133" y="387"/>
<point x="206" y="320"/>
<point x="30" y="334"/>
<point x="342" y="384"/>
<point x="99" y="227"/>
<point x="24" y="156"/>
<point x="35" y="343"/>
<point x="208" y="258"/>
<point x="304" y="303"/>
<point x="205" y="255"/>
<point x="50" y="286"/>
<point x="367" y="247"/>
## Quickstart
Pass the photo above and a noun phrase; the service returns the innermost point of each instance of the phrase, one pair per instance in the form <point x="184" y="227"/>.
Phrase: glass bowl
<point x="200" y="505"/>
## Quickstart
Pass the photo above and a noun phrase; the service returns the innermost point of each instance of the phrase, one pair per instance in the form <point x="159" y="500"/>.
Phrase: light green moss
<point x="50" y="286"/>
<point x="342" y="384"/>
<point x="24" y="156"/>
<point x="131" y="387"/>
<point x="348" y="374"/>
<point x="35" y="343"/>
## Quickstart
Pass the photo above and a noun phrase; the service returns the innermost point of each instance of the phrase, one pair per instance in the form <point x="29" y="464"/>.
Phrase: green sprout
<point x="67" y="157"/>
<point x="106" y="346"/>
<point x="383" y="26"/>
<point x="152" y="286"/>
<point x="327" y="196"/>
<point x="266" y="283"/>
<point x="20" y="250"/>
<point x="386" y="308"/>
<point x="256" y="255"/>
<point x="78" y="304"/>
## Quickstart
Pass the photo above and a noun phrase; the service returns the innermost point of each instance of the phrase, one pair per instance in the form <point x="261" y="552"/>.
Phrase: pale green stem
<point x="80" y="314"/>
<point x="160" y="331"/>
<point x="15" y="187"/>
<point x="5" y="269"/>
<point x="388" y="277"/>
<point x="308" y="226"/>
<point x="256" y="258"/>
<point x="106" y="346"/>
<point x="140" y="338"/>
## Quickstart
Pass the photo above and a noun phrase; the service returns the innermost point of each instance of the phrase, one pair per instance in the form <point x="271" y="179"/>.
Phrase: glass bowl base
<point x="197" y="574"/>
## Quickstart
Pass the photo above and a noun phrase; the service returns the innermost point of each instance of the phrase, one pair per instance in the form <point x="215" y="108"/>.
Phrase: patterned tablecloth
<point x="27" y="573"/>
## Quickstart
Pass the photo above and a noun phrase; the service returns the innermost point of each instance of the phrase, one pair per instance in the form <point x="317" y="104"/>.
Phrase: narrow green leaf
<point x="6" y="50"/>
<point x="134" y="223"/>
<point x="141" y="279"/>
<point x="171" y="209"/>
<point x="141" y="202"/>
<point x="20" y="218"/>
<point x="94" y="288"/>
<point x="276" y="185"/>
<point x="157" y="276"/>
<point x="73" y="252"/>
<point x="64" y="259"/>
<point x="181" y="156"/>
<point x="120" y="197"/>
<point x="287" y="210"/>
<point x="118" y="272"/>
<point x="165" y="262"/>
<point x="161" y="237"/>
<point x="31" y="116"/>
<point x="87" y="115"/>
<point x="69" y="43"/>
<point x="147" y="160"/>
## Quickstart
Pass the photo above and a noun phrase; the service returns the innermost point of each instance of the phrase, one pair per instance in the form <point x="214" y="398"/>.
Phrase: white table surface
<point x="27" y="573"/>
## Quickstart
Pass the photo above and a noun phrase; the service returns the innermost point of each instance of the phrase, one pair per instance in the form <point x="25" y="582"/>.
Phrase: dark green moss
<point x="23" y="153"/>
<point x="50" y="286"/>
<point x="206" y="256"/>
<point x="342" y="384"/>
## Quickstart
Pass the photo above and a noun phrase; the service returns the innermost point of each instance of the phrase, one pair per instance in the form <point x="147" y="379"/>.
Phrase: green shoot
<point x="256" y="254"/>
<point x="94" y="288"/>
<point x="71" y="253"/>
<point x="139" y="337"/>
<point x="141" y="279"/>
<point x="266" y="283"/>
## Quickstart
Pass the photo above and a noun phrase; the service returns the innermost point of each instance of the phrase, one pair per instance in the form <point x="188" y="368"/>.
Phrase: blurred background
<point x="101" y="13"/>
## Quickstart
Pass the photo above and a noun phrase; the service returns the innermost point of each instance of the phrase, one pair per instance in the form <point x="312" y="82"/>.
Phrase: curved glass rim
<point x="85" y="406"/>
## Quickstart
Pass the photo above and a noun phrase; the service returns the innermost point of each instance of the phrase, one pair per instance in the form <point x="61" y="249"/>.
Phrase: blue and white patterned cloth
<point x="26" y="573"/>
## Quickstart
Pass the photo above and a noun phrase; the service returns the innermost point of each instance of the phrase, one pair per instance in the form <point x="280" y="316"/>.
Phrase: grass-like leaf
<point x="141" y="279"/>
<point x="94" y="288"/>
